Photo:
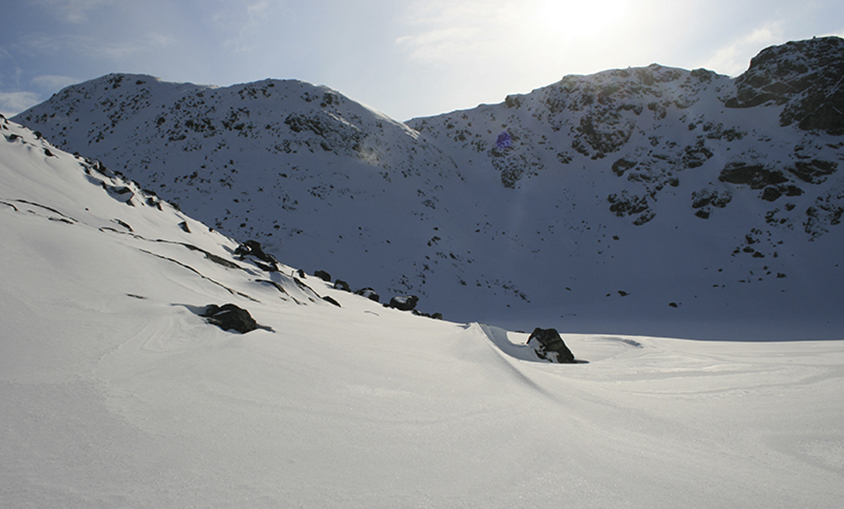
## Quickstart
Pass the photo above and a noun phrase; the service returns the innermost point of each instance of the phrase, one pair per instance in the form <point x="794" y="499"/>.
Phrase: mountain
<point x="646" y="200"/>
<point x="117" y="392"/>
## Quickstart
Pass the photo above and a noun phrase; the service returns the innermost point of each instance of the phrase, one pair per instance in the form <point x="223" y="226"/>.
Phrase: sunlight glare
<point x="578" y="18"/>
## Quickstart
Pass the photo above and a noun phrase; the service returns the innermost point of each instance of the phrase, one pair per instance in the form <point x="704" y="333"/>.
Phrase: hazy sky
<point x="406" y="58"/>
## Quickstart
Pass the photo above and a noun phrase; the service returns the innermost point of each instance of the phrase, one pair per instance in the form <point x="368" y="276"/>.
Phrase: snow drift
<point x="117" y="393"/>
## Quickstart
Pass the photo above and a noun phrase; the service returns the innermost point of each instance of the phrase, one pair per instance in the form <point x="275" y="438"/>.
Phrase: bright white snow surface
<point x="115" y="393"/>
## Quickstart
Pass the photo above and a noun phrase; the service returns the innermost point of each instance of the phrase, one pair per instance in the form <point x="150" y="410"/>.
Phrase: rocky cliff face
<point x="805" y="77"/>
<point x="652" y="126"/>
<point x="631" y="192"/>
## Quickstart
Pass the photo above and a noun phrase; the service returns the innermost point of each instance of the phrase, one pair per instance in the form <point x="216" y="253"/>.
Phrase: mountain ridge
<point x="742" y="195"/>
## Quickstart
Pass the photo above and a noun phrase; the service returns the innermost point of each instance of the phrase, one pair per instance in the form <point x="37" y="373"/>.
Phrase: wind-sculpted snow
<point x="116" y="392"/>
<point x="98" y="202"/>
<point x="646" y="195"/>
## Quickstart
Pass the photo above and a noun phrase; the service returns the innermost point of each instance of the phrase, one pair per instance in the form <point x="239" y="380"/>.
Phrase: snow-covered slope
<point x="114" y="392"/>
<point x="649" y="200"/>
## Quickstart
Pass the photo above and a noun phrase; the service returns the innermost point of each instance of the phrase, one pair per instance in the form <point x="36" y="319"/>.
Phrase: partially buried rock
<point x="404" y="302"/>
<point x="550" y="346"/>
<point x="253" y="248"/>
<point x="369" y="293"/>
<point x="230" y="317"/>
<point x="325" y="276"/>
<point x="342" y="285"/>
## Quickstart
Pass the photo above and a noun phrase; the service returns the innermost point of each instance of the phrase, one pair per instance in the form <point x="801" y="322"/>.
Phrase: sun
<point x="578" y="18"/>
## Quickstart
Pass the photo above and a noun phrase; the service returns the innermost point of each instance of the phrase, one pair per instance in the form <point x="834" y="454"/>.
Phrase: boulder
<point x="342" y="285"/>
<point x="331" y="301"/>
<point x="434" y="316"/>
<point x="548" y="345"/>
<point x="325" y="276"/>
<point x="404" y="302"/>
<point x="230" y="317"/>
<point x="369" y="293"/>
<point x="253" y="248"/>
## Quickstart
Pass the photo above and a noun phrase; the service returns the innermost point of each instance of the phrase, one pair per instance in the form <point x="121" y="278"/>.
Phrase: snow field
<point x="115" y="393"/>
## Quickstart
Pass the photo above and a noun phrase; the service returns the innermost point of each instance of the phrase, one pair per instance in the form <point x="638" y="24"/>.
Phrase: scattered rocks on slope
<point x="550" y="346"/>
<point x="814" y="171"/>
<point x="704" y="199"/>
<point x="230" y="317"/>
<point x="433" y="316"/>
<point x="803" y="75"/>
<point x="756" y="176"/>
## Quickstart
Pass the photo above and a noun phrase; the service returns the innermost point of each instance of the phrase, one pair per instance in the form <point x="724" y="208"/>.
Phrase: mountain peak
<point x="804" y="76"/>
<point x="729" y="188"/>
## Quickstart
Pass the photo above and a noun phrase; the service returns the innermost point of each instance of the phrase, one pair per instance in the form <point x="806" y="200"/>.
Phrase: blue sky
<point x="406" y="58"/>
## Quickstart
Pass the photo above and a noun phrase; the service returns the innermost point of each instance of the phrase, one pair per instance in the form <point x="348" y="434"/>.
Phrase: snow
<point x="116" y="393"/>
<point x="325" y="183"/>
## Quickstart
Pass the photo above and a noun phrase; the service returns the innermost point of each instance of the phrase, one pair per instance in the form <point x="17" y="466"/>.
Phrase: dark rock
<point x="369" y="293"/>
<point x="622" y="165"/>
<point x="184" y="226"/>
<point x="626" y="204"/>
<point x="802" y="75"/>
<point x="331" y="301"/>
<point x="697" y="154"/>
<point x="434" y="316"/>
<point x="404" y="302"/>
<point x="771" y="193"/>
<point x="325" y="276"/>
<point x="813" y="172"/>
<point x="253" y="248"/>
<point x="644" y="217"/>
<point x="550" y="346"/>
<point x="756" y="176"/>
<point x="230" y="317"/>
<point x="342" y="285"/>
<point x="703" y="198"/>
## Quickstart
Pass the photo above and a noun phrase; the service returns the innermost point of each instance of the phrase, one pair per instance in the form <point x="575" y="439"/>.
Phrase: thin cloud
<point x="75" y="11"/>
<point x="54" y="82"/>
<point x="733" y="58"/>
<point x="242" y="26"/>
<point x="12" y="103"/>
<point x="95" y="47"/>
<point x="122" y="50"/>
<point x="448" y="31"/>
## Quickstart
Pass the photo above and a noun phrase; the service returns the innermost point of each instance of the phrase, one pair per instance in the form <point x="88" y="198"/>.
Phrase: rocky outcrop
<point x="404" y="302"/>
<point x="325" y="276"/>
<point x="704" y="199"/>
<point x="814" y="171"/>
<point x="549" y="346"/>
<point x="342" y="285"/>
<point x="805" y="76"/>
<point x="369" y="293"/>
<point x="230" y="317"/>
<point x="253" y="248"/>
